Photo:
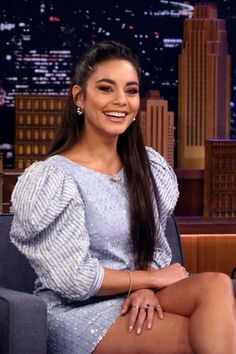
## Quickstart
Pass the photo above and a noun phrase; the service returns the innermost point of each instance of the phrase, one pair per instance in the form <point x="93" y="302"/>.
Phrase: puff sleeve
<point x="167" y="196"/>
<point x="49" y="229"/>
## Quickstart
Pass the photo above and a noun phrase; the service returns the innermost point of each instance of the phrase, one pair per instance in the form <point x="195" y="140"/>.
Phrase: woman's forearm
<point x="118" y="281"/>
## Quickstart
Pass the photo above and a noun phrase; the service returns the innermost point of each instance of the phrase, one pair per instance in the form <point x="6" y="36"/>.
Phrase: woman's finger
<point x="133" y="316"/>
<point x="150" y="315"/>
<point x="125" y="306"/>
<point x="141" y="318"/>
<point x="160" y="311"/>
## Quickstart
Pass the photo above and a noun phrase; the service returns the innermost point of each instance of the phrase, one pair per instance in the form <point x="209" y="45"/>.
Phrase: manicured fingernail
<point x="130" y="328"/>
<point x="138" y="330"/>
<point x="149" y="326"/>
<point x="161" y="316"/>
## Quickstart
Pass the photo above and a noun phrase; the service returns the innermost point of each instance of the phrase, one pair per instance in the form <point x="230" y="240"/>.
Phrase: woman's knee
<point x="216" y="283"/>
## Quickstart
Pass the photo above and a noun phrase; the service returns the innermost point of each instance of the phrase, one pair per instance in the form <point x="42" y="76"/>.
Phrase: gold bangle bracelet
<point x="130" y="282"/>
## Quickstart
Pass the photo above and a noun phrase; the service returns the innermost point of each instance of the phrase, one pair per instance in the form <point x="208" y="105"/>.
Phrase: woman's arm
<point x="117" y="282"/>
<point x="49" y="229"/>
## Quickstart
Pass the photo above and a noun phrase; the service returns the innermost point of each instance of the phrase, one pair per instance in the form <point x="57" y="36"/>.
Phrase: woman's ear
<point x="77" y="95"/>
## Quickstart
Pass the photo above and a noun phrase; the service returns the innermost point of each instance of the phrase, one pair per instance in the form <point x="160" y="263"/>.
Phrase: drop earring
<point x="79" y="110"/>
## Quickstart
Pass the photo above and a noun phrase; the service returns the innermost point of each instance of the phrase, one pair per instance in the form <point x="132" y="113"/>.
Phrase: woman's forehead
<point x="115" y="69"/>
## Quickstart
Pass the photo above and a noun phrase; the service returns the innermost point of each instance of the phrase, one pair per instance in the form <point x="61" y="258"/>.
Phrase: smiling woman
<point x="111" y="96"/>
<point x="91" y="219"/>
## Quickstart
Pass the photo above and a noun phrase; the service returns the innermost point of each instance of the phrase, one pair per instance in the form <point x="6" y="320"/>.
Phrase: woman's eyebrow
<point x="132" y="83"/>
<point x="113" y="82"/>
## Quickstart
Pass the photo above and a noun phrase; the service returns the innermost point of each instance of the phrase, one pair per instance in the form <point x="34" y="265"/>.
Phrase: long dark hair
<point x="131" y="149"/>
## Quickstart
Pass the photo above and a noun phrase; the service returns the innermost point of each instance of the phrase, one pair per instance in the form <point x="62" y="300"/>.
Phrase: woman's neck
<point x="97" y="154"/>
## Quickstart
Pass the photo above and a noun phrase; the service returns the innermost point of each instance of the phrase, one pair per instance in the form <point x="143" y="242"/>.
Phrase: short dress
<point x="71" y="222"/>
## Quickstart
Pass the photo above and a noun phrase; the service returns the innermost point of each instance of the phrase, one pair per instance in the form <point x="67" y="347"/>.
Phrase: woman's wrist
<point x="143" y="279"/>
<point x="118" y="282"/>
<point x="152" y="278"/>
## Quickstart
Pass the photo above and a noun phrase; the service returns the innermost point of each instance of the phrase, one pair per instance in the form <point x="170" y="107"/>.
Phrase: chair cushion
<point x="23" y="323"/>
<point x="15" y="270"/>
<point x="173" y="237"/>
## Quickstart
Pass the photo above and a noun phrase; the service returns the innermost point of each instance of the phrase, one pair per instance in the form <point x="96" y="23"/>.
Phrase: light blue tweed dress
<point x="71" y="222"/>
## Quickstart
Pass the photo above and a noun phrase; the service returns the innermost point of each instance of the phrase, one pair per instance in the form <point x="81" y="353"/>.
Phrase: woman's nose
<point x="120" y="98"/>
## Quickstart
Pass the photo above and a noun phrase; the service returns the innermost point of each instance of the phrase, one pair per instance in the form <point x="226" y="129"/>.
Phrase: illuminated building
<point x="158" y="125"/>
<point x="36" y="120"/>
<point x="204" y="85"/>
<point x="220" y="179"/>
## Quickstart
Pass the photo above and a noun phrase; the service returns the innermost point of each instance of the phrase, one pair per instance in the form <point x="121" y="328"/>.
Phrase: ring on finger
<point x="145" y="307"/>
<point x="136" y="306"/>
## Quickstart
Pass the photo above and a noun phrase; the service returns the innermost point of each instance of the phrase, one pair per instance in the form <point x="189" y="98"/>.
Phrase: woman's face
<point x="111" y="100"/>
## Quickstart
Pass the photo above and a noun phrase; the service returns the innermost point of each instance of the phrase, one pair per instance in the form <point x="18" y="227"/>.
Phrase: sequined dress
<point x="71" y="222"/>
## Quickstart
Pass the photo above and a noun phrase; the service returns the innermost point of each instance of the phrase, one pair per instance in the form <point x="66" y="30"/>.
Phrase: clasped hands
<point x="143" y="303"/>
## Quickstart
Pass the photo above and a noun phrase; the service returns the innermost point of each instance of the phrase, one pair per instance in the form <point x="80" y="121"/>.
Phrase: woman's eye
<point x="133" y="91"/>
<point x="105" y="88"/>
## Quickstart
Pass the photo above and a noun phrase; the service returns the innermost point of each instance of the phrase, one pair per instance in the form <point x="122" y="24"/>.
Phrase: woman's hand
<point x="142" y="305"/>
<point x="164" y="277"/>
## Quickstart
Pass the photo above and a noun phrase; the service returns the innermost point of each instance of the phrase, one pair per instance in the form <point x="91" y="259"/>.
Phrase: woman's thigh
<point x="168" y="336"/>
<point x="182" y="297"/>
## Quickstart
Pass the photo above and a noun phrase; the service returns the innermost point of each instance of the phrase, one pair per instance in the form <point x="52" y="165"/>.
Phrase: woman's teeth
<point x="115" y="114"/>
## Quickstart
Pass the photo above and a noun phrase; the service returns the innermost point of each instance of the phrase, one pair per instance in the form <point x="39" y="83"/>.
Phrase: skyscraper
<point x="220" y="178"/>
<point x="36" y="120"/>
<point x="158" y="125"/>
<point x="204" y="85"/>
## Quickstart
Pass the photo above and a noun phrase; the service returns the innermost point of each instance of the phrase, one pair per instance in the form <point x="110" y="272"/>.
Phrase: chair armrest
<point x="23" y="323"/>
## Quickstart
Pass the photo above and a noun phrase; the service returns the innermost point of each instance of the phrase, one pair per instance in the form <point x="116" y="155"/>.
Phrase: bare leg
<point x="209" y="301"/>
<point x="169" y="336"/>
<point x="200" y="318"/>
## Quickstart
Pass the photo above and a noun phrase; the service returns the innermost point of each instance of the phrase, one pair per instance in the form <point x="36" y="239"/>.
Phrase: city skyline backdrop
<point x="41" y="41"/>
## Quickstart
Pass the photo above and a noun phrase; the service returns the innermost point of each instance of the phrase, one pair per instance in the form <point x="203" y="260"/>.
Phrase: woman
<point x="91" y="220"/>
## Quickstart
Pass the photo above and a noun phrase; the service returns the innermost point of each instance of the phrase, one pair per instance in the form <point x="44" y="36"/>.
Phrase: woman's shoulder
<point x="157" y="161"/>
<point x="43" y="179"/>
<point x="43" y="193"/>
<point x="163" y="173"/>
<point x="43" y="170"/>
<point x="166" y="183"/>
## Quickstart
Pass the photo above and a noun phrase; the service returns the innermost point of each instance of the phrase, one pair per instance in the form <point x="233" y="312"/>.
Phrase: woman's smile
<point x="116" y="116"/>
<point x="113" y="89"/>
